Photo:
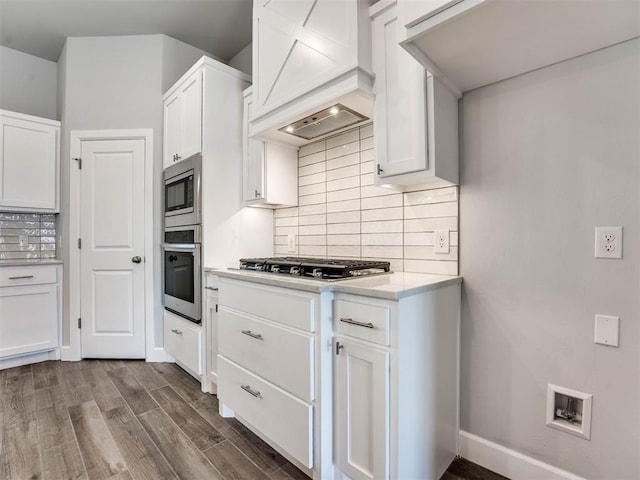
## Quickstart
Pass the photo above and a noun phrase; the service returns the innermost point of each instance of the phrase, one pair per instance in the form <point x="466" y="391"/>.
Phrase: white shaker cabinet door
<point x="361" y="409"/>
<point x="183" y="121"/>
<point x="401" y="102"/>
<point x="28" y="319"/>
<point x="172" y="129"/>
<point x="28" y="163"/>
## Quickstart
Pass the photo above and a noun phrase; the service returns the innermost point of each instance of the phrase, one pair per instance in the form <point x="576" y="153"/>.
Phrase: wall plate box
<point x="569" y="410"/>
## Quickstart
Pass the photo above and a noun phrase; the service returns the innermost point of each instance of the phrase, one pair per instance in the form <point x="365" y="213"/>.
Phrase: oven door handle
<point x="179" y="246"/>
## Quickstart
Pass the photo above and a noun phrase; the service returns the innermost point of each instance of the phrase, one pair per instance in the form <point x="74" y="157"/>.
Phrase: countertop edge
<point x="29" y="263"/>
<point x="354" y="286"/>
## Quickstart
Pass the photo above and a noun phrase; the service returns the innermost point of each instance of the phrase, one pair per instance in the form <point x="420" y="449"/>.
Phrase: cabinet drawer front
<point x="182" y="342"/>
<point x="290" y="307"/>
<point x="282" y="356"/>
<point x="36" y="275"/>
<point x="283" y="418"/>
<point x="362" y="320"/>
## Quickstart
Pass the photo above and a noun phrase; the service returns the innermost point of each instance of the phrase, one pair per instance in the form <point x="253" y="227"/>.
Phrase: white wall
<point x="547" y="156"/>
<point x="118" y="83"/>
<point x="28" y="84"/>
<point x="242" y="60"/>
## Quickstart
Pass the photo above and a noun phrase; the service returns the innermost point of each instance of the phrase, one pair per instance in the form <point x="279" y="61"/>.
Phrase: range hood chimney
<point x="331" y="119"/>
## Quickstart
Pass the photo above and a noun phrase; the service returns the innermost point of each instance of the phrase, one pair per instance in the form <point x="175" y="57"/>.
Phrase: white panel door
<point x="361" y="423"/>
<point x="112" y="231"/>
<point x="400" y="120"/>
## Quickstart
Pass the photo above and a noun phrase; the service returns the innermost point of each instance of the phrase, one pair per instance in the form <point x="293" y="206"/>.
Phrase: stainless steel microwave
<point x="182" y="196"/>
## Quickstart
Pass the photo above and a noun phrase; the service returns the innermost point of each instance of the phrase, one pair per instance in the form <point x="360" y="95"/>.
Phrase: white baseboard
<point x="507" y="462"/>
<point x="69" y="354"/>
<point x="157" y="355"/>
<point x="29" y="358"/>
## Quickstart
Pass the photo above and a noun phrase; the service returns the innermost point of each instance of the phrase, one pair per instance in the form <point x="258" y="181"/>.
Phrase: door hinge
<point x="79" y="160"/>
<point x="380" y="169"/>
<point x="79" y="323"/>
<point x="79" y="243"/>
<point x="216" y="308"/>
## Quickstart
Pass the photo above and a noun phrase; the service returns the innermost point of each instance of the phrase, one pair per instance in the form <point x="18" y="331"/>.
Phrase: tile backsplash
<point x="37" y="232"/>
<point x="342" y="214"/>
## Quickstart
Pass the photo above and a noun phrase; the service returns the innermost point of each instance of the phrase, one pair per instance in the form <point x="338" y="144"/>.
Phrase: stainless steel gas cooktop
<point x="316" y="268"/>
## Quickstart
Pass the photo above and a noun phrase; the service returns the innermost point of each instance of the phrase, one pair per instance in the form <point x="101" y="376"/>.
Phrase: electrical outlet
<point x="441" y="241"/>
<point x="608" y="242"/>
<point x="291" y="243"/>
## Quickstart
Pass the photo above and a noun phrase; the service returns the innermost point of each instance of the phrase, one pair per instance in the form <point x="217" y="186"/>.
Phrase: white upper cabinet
<point x="306" y="55"/>
<point x="471" y="43"/>
<point x="183" y="120"/>
<point x="414" y="11"/>
<point x="29" y="163"/>
<point x="416" y="116"/>
<point x="270" y="170"/>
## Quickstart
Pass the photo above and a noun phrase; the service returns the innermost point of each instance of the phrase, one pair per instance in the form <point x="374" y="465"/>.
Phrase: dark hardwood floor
<point x="131" y="420"/>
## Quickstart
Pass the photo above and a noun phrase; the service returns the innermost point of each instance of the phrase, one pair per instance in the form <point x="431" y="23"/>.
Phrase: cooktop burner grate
<point x="319" y="268"/>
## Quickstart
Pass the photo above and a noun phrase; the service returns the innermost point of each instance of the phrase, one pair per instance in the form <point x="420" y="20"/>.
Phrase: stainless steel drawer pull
<point x="212" y="288"/>
<point x="353" y="322"/>
<point x="24" y="277"/>
<point x="248" y="389"/>
<point x="177" y="332"/>
<point x="252" y="335"/>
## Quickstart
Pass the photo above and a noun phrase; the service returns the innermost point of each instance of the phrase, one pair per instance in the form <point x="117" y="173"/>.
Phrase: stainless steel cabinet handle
<point x="252" y="335"/>
<point x="177" y="332"/>
<point x="212" y="288"/>
<point x="136" y="259"/>
<point x="249" y="390"/>
<point x="359" y="324"/>
<point x="23" y="277"/>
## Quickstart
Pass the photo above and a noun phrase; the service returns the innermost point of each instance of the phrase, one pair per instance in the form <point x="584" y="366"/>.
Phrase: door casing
<point x="73" y="351"/>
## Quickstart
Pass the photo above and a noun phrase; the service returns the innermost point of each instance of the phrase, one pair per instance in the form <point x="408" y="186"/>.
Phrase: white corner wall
<point x="28" y="84"/>
<point x="546" y="157"/>
<point x="242" y="60"/>
<point x="117" y="83"/>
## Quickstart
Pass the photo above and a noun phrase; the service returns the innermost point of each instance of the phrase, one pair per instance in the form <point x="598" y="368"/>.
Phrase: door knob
<point x="136" y="259"/>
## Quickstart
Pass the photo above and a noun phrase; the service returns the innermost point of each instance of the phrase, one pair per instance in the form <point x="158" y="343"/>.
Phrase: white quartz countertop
<point x="24" y="262"/>
<point x="392" y="286"/>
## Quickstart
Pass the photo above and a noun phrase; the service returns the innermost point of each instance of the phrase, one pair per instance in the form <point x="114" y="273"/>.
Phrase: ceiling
<point x="39" y="27"/>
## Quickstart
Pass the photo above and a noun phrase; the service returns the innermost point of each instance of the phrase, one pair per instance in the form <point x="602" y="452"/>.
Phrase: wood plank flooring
<point x="131" y="420"/>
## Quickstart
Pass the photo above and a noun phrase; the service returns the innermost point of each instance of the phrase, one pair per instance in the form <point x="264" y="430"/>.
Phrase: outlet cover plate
<point x="441" y="241"/>
<point x="291" y="243"/>
<point x="608" y="242"/>
<point x="607" y="330"/>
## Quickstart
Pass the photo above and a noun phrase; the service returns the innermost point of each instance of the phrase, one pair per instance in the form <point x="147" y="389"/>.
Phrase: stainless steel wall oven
<point x="182" y="271"/>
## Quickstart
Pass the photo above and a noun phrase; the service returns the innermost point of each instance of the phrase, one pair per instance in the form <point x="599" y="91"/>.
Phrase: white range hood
<point x="310" y="57"/>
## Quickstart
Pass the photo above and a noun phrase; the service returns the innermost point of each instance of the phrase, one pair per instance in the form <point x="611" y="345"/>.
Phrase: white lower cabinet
<point x="361" y="410"/>
<point x="345" y="386"/>
<point x="29" y="312"/>
<point x="183" y="341"/>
